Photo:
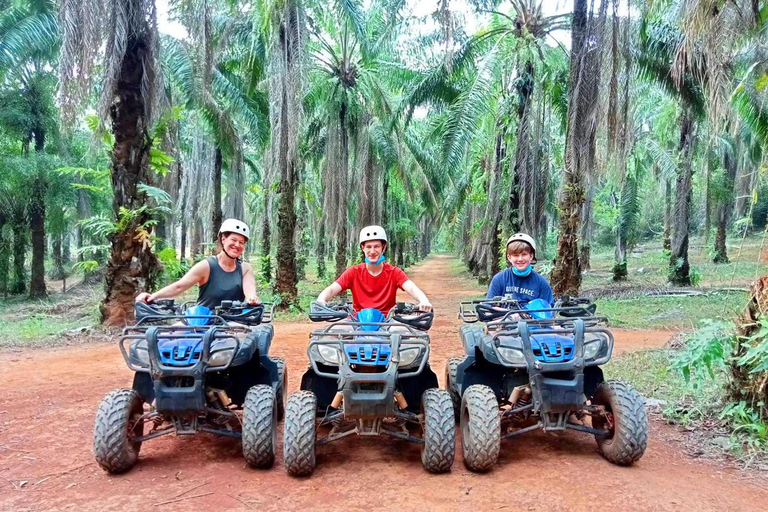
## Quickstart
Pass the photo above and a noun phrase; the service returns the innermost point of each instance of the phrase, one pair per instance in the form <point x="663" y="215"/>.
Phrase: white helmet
<point x="369" y="233"/>
<point x="522" y="237"/>
<point x="235" y="226"/>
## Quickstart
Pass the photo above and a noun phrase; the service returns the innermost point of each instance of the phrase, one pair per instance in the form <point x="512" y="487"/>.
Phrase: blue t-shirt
<point x="523" y="289"/>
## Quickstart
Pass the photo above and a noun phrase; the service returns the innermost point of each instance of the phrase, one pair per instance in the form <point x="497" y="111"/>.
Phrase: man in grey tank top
<point x="220" y="277"/>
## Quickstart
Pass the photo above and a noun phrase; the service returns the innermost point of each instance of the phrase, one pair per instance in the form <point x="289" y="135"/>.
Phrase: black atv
<point x="536" y="367"/>
<point x="196" y="370"/>
<point x="369" y="375"/>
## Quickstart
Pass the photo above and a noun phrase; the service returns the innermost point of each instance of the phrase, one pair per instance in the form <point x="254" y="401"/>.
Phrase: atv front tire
<point x="117" y="425"/>
<point x="627" y="422"/>
<point x="281" y="391"/>
<point x="451" y="369"/>
<point x="480" y="428"/>
<point x="300" y="431"/>
<point x="260" y="426"/>
<point x="439" y="447"/>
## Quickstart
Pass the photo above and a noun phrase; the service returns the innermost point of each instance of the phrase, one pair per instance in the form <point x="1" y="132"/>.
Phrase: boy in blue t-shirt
<point x="520" y="280"/>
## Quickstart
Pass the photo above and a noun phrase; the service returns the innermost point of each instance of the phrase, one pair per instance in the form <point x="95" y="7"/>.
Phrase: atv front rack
<point x="572" y="327"/>
<point x="205" y="335"/>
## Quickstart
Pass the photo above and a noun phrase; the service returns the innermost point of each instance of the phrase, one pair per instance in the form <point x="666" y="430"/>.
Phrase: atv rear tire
<point x="281" y="391"/>
<point x="439" y="446"/>
<point x="480" y="428"/>
<point x="300" y="430"/>
<point x="117" y="424"/>
<point x="451" y="369"/>
<point x="260" y="426"/>
<point x="630" y="423"/>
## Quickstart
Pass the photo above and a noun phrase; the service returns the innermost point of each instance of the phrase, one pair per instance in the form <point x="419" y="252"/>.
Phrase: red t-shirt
<point x="379" y="292"/>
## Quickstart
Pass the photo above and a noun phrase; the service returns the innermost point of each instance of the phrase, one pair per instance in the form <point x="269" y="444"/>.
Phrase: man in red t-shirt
<point x="374" y="283"/>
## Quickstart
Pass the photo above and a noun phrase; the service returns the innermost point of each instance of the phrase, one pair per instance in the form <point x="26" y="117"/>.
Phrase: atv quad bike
<point x="369" y="375"/>
<point x="538" y="367"/>
<point x="196" y="370"/>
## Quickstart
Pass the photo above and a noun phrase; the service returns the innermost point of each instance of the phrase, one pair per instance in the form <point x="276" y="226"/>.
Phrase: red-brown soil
<point x="48" y="400"/>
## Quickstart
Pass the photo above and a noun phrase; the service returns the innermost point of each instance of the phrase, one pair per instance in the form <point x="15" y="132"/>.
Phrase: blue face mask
<point x="381" y="258"/>
<point x="522" y="273"/>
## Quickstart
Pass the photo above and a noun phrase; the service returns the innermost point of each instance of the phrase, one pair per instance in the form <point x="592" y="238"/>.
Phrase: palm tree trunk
<point x="83" y="211"/>
<point x="57" y="273"/>
<point x="216" y="215"/>
<point x="724" y="209"/>
<point x="66" y="249"/>
<point x="679" y="268"/>
<point x="520" y="200"/>
<point x="19" y="226"/>
<point x="286" y="279"/>
<point x="320" y="250"/>
<point x="266" y="243"/>
<point x="667" y="236"/>
<point x="184" y="225"/>
<point x="586" y="228"/>
<point x="580" y="143"/>
<point x="132" y="265"/>
<point x="341" y="224"/>
<point x="707" y="200"/>
<point x="37" y="230"/>
<point x="493" y="213"/>
<point x="5" y="256"/>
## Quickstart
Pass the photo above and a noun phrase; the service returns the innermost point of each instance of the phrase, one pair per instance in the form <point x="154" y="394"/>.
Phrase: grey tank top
<point x="221" y="285"/>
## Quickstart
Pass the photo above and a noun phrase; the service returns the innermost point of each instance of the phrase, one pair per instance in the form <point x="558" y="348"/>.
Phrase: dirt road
<point x="48" y="400"/>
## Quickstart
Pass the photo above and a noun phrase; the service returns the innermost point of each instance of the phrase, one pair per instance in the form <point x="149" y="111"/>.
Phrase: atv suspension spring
<point x="519" y="417"/>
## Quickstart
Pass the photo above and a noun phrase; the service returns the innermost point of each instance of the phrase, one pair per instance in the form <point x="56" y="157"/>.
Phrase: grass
<point x="648" y="265"/>
<point x="31" y="324"/>
<point x="702" y="403"/>
<point x="651" y="372"/>
<point x="671" y="312"/>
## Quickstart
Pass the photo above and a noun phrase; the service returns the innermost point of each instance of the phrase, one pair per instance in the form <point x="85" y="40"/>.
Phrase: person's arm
<point x="198" y="274"/>
<point x="329" y="293"/>
<point x="546" y="291"/>
<point x="249" y="285"/>
<point x="418" y="295"/>
<point x="496" y="289"/>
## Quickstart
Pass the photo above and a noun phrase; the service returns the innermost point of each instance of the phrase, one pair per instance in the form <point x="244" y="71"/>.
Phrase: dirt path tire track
<point x="48" y="401"/>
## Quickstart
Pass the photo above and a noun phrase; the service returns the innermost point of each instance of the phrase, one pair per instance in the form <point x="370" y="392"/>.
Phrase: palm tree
<point x="586" y="52"/>
<point x="28" y="45"/>
<point x="129" y="99"/>
<point x="660" y="43"/>
<point x="286" y="39"/>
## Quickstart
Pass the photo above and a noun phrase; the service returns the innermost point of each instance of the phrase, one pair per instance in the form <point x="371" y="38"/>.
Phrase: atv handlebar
<point x="319" y="312"/>
<point x="409" y="314"/>
<point x="501" y="309"/>
<point x="164" y="310"/>
<point x="241" y="312"/>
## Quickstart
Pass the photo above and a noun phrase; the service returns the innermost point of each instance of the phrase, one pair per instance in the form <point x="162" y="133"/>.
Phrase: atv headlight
<point x="329" y="354"/>
<point x="408" y="355"/>
<point x="592" y="348"/>
<point x="142" y="355"/>
<point x="512" y="355"/>
<point x="221" y="358"/>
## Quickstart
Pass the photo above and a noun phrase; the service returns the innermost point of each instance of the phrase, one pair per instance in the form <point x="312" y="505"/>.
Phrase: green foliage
<point x="173" y="268"/>
<point x="748" y="425"/>
<point x="755" y="356"/>
<point x="705" y="351"/>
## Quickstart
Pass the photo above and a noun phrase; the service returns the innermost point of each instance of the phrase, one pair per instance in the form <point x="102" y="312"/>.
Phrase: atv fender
<point x="471" y="337"/>
<point x="262" y="337"/>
